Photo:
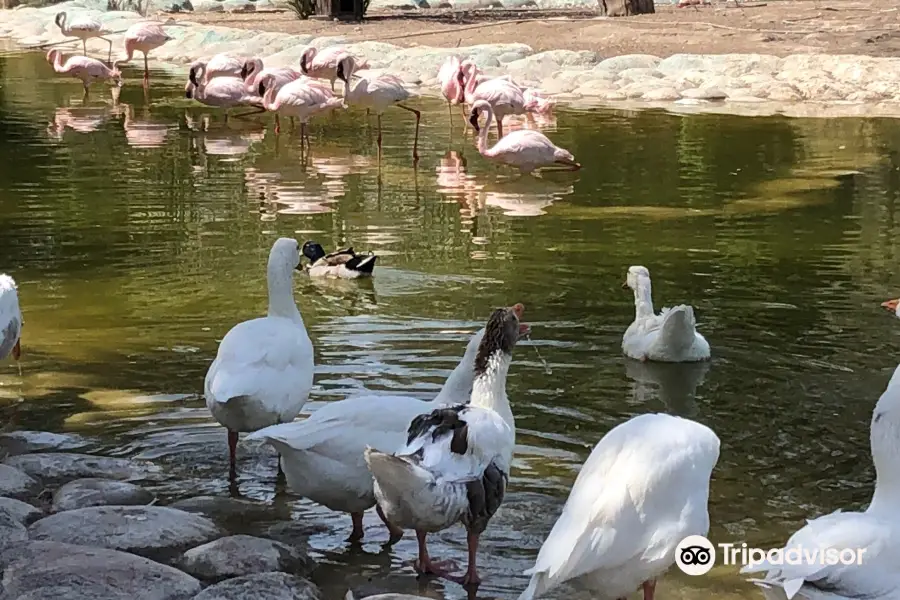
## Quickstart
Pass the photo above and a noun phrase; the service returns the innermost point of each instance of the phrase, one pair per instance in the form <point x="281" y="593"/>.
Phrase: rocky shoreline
<point x="802" y="85"/>
<point x="82" y="526"/>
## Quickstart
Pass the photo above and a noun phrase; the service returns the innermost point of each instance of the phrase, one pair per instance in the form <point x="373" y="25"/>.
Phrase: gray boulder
<point x="11" y="530"/>
<point x="64" y="466"/>
<point x="43" y="570"/>
<point x="156" y="532"/>
<point x="266" y="586"/>
<point x="16" y="483"/>
<point x="239" y="555"/>
<point x="22" y="512"/>
<point x="25" y="442"/>
<point x="82" y="493"/>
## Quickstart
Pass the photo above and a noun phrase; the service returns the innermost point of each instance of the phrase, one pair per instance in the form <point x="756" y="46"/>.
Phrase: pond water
<point x="138" y="234"/>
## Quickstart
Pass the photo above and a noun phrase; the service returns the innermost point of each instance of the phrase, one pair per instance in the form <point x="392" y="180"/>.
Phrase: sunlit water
<point x="138" y="234"/>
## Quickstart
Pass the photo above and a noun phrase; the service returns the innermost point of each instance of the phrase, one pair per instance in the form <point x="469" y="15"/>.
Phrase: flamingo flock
<point x="228" y="81"/>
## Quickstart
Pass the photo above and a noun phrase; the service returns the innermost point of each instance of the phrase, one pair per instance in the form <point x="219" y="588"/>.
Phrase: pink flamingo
<point x="376" y="94"/>
<point x="505" y="97"/>
<point x="143" y="37"/>
<point x="84" y="28"/>
<point x="85" y="68"/>
<point x="252" y="72"/>
<point x="220" y="65"/>
<point x="223" y="92"/>
<point x="323" y="65"/>
<point x="452" y="85"/>
<point x="298" y="98"/>
<point x="524" y="149"/>
<point x="534" y="99"/>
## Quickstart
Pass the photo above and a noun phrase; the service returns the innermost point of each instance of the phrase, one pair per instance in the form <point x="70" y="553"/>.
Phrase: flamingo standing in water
<point x="223" y="92"/>
<point x="323" y="65"/>
<point x="299" y="98"/>
<point x="505" y="97"/>
<point x="10" y="319"/>
<point x="253" y="74"/>
<point x="524" y="149"/>
<point x="85" y="68"/>
<point x="143" y="37"/>
<point x="376" y="94"/>
<point x="220" y="65"/>
<point x="84" y="28"/>
<point x="451" y="78"/>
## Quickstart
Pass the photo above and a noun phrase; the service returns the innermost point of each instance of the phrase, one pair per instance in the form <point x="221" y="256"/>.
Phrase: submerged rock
<point x="37" y="570"/>
<point x="266" y="586"/>
<point x="82" y="493"/>
<point x="22" y="512"/>
<point x="64" y="466"/>
<point x="239" y="555"/>
<point x="16" y="483"/>
<point x="26" y="442"/>
<point x="223" y="509"/>
<point x="295" y="533"/>
<point x="152" y="531"/>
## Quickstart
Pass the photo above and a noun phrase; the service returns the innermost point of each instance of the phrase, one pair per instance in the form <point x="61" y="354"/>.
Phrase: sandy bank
<point x="809" y="85"/>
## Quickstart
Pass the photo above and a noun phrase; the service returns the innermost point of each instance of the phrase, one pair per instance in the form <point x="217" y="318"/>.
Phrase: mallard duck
<point x="345" y="264"/>
<point x="322" y="456"/>
<point x="670" y="336"/>
<point x="10" y="319"/>
<point x="263" y="371"/>
<point x="875" y="531"/>
<point x="455" y="464"/>
<point x="643" y="489"/>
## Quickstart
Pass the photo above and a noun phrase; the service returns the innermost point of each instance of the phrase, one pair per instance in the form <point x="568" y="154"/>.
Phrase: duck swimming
<point x="343" y="264"/>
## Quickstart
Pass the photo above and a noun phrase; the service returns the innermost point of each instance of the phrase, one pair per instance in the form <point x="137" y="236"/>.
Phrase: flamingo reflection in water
<point x="80" y="120"/>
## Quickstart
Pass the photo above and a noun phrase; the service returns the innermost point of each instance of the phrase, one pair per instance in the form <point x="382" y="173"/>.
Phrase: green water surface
<point x="138" y="234"/>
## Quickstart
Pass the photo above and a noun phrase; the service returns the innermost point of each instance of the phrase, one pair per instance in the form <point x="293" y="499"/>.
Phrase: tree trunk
<point x="625" y="8"/>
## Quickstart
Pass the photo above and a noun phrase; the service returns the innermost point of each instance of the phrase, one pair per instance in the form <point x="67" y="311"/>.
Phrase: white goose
<point x="877" y="530"/>
<point x="322" y="457"/>
<point x="263" y="371"/>
<point x="455" y="464"/>
<point x="643" y="489"/>
<point x="10" y="318"/>
<point x="670" y="336"/>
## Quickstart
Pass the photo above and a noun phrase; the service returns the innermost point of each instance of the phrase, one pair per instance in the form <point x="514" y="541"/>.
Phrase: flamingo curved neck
<point x="482" y="135"/>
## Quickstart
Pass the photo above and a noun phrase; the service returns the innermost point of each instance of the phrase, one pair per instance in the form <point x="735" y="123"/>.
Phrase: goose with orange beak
<point x="893" y="306"/>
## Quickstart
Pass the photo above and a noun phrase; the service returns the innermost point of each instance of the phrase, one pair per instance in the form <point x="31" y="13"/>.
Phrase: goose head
<point x="285" y="253"/>
<point x="501" y="333"/>
<point x="634" y="276"/>
<point x="893" y="306"/>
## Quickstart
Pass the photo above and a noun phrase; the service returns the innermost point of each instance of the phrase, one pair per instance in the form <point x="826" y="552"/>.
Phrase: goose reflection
<point x="81" y="120"/>
<point x="675" y="384"/>
<point x="143" y="132"/>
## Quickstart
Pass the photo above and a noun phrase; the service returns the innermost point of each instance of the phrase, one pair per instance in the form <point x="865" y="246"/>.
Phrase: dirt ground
<point x="779" y="27"/>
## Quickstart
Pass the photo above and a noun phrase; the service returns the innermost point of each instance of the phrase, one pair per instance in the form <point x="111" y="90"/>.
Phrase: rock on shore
<point x="798" y="85"/>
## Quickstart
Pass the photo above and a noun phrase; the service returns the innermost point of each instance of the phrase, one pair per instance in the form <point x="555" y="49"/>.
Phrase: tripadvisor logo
<point x="696" y="555"/>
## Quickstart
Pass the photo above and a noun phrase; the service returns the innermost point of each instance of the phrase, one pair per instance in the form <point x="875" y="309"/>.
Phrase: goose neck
<point x="281" y="293"/>
<point x="643" y="301"/>
<point x="489" y="387"/>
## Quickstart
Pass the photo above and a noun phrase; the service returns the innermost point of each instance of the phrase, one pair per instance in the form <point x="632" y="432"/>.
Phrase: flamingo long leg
<point x="379" y="136"/>
<point x="416" y="142"/>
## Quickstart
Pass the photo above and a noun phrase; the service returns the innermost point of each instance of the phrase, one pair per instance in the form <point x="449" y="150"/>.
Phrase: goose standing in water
<point x="343" y="264"/>
<point x="876" y="531"/>
<point x="455" y="464"/>
<point x="10" y="319"/>
<point x="643" y="489"/>
<point x="670" y="336"/>
<point x="263" y="371"/>
<point x="322" y="457"/>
